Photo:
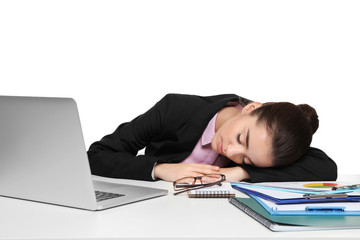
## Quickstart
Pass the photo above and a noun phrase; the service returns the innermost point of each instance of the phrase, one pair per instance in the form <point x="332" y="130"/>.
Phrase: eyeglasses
<point x="190" y="183"/>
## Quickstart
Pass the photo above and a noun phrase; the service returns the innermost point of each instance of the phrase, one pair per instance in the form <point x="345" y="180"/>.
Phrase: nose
<point x="233" y="151"/>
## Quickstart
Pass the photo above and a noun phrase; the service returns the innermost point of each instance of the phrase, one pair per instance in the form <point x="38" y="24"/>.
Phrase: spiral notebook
<point x="223" y="191"/>
<point x="281" y="223"/>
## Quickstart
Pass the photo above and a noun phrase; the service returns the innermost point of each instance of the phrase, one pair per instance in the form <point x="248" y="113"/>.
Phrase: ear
<point x="251" y="106"/>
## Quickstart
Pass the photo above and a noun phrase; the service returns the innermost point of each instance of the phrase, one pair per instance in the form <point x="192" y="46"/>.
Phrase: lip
<point x="220" y="147"/>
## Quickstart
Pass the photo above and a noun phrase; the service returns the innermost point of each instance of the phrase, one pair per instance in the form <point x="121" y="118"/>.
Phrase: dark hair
<point x="291" y="128"/>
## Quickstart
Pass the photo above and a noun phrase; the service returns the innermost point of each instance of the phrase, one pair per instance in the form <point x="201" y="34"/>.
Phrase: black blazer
<point x="170" y="130"/>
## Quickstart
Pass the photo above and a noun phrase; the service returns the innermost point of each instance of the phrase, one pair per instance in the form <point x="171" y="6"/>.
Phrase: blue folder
<point x="349" y="198"/>
<point x="341" y="209"/>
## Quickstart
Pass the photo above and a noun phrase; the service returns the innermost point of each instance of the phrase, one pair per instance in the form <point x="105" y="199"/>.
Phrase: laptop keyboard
<point x="102" y="196"/>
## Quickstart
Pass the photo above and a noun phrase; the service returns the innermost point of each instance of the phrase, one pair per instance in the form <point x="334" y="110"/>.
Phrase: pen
<point x="335" y="195"/>
<point x="347" y="187"/>
<point x="338" y="190"/>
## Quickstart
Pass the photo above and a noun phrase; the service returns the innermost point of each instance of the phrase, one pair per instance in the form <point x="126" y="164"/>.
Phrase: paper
<point x="286" y="190"/>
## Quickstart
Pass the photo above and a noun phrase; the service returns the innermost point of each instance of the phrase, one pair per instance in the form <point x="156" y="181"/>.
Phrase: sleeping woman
<point x="188" y="135"/>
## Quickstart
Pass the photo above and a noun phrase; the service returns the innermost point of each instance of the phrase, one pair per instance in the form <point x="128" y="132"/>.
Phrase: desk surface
<point x="165" y="217"/>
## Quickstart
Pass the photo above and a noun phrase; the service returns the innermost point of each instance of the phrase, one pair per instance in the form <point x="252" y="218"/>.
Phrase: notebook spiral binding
<point x="210" y="194"/>
<point x="267" y="223"/>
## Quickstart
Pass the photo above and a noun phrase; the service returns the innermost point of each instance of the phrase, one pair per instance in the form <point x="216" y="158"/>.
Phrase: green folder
<point x="294" y="223"/>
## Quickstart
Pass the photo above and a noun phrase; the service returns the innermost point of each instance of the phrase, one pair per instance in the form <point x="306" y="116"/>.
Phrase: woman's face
<point x="242" y="140"/>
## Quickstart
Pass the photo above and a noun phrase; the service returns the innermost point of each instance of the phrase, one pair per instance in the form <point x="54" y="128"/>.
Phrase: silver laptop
<point x="43" y="157"/>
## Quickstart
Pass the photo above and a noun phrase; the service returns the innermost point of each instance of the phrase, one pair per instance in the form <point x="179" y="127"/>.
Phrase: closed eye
<point x="239" y="138"/>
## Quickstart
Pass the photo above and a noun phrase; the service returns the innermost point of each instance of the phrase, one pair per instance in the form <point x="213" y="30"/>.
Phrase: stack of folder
<point x="293" y="206"/>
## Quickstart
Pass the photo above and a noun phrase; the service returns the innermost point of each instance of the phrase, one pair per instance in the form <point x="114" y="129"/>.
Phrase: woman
<point x="187" y="135"/>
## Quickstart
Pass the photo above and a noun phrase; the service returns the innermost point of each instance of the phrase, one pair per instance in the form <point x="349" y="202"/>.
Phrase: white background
<point x="117" y="58"/>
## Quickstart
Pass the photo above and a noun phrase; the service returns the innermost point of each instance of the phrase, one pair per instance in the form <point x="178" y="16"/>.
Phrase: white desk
<point x="168" y="217"/>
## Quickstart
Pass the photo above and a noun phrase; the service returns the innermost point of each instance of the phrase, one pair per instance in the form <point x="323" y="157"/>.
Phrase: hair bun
<point x="311" y="116"/>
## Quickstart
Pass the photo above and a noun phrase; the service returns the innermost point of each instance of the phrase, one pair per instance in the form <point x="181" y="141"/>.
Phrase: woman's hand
<point x="173" y="171"/>
<point x="235" y="174"/>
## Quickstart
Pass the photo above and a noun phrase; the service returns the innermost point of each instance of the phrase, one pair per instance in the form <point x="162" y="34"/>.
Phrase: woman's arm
<point x="315" y="165"/>
<point x="173" y="171"/>
<point x="115" y="155"/>
<point x="169" y="131"/>
<point x="235" y="173"/>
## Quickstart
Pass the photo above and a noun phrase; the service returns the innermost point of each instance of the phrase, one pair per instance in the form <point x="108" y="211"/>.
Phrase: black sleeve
<point x="115" y="155"/>
<point x="315" y="165"/>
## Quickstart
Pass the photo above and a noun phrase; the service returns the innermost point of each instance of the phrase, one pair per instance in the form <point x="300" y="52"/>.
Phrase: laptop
<point x="43" y="157"/>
